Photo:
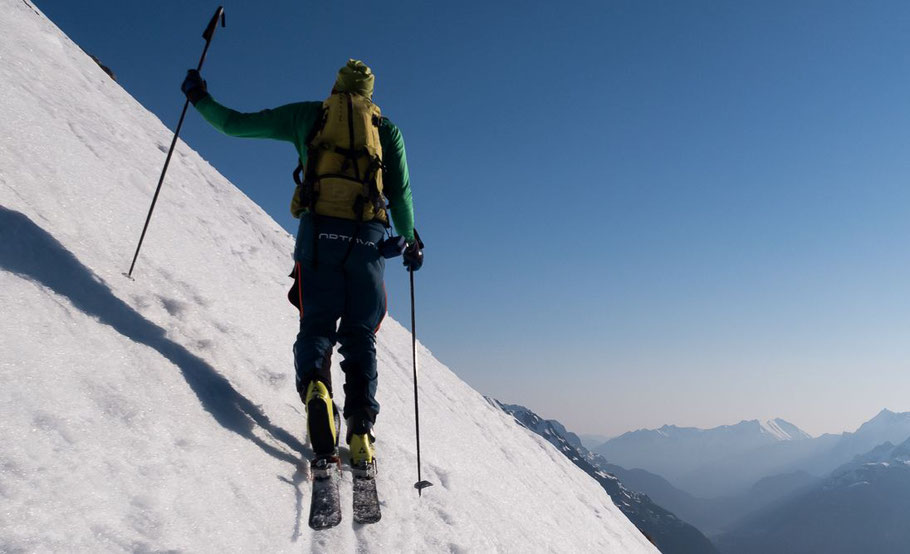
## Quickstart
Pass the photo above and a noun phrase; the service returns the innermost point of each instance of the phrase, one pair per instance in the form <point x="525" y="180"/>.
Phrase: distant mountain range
<point x="863" y="506"/>
<point x="712" y="516"/>
<point x="682" y="454"/>
<point x="668" y="532"/>
<point x="780" y="490"/>
<point x="728" y="460"/>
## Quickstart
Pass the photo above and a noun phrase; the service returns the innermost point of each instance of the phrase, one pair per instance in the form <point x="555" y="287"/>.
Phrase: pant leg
<point x="322" y="299"/>
<point x="365" y="307"/>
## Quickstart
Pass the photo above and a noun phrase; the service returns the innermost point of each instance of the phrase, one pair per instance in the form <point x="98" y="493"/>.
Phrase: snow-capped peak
<point x="784" y="430"/>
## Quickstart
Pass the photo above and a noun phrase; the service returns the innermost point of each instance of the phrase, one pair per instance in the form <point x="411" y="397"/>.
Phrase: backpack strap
<point x="305" y="176"/>
<point x="306" y="185"/>
<point x="352" y="154"/>
<point x="373" y="194"/>
<point x="358" y="209"/>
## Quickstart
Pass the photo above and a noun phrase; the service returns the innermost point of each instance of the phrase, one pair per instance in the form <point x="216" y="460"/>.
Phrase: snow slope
<point x="160" y="413"/>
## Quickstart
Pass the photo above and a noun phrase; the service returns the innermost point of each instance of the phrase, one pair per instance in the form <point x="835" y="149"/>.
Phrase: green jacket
<point x="292" y="123"/>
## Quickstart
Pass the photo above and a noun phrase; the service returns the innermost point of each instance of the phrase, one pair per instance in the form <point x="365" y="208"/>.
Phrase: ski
<point x="366" y="498"/>
<point x="325" y="504"/>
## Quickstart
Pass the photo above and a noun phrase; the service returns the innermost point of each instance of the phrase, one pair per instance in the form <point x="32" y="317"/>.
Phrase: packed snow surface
<point x="160" y="413"/>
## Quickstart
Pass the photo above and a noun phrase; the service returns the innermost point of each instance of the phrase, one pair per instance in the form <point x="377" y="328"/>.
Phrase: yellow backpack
<point x="343" y="175"/>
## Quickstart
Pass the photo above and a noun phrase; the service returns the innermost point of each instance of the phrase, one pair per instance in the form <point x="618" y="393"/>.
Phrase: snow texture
<point x="160" y="413"/>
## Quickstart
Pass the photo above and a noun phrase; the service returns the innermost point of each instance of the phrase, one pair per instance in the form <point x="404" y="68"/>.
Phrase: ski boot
<point x="360" y="439"/>
<point x="322" y="420"/>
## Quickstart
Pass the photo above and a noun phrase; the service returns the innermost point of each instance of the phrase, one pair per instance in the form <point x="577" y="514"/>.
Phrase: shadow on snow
<point x="30" y="252"/>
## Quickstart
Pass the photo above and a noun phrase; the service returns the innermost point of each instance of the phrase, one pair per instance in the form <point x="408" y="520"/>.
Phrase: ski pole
<point x="420" y="484"/>
<point x="207" y="35"/>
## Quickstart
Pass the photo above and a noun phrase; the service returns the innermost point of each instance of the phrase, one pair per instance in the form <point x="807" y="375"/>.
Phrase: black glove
<point x="413" y="256"/>
<point x="392" y="247"/>
<point x="194" y="87"/>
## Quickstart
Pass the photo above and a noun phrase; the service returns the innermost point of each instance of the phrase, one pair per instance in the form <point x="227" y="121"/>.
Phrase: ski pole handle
<point x="209" y="33"/>
<point x="210" y="30"/>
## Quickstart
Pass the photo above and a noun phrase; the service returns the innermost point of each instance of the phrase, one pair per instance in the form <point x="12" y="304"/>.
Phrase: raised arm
<point x="286" y="123"/>
<point x="282" y="123"/>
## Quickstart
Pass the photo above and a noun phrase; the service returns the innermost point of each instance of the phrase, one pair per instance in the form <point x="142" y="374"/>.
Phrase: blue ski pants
<point x="339" y="276"/>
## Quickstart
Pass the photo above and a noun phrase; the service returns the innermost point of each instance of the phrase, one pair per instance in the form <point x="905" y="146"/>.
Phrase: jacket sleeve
<point x="396" y="181"/>
<point x="282" y="123"/>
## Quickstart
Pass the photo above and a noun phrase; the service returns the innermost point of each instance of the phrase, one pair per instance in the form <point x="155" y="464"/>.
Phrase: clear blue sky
<point x="636" y="213"/>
